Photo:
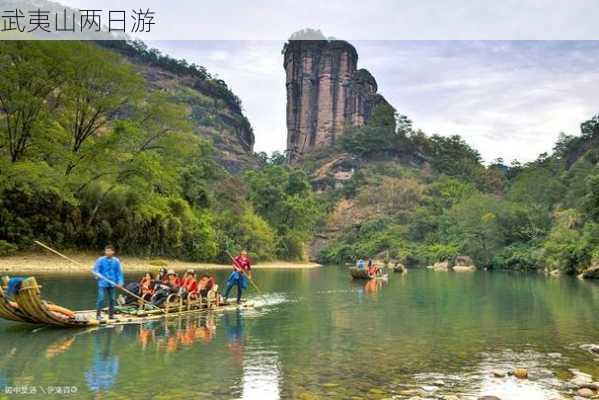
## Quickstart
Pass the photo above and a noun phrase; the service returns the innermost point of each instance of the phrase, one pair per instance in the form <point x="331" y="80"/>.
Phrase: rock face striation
<point x="325" y="93"/>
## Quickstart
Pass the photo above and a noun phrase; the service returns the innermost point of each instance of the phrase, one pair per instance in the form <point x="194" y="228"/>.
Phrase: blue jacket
<point x="111" y="269"/>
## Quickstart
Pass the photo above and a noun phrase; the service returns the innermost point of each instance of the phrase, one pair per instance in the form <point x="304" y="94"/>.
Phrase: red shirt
<point x="176" y="284"/>
<point x="191" y="285"/>
<point x="146" y="286"/>
<point x="244" y="263"/>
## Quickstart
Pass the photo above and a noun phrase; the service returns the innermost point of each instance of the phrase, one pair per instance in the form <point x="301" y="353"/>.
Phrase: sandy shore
<point x="40" y="263"/>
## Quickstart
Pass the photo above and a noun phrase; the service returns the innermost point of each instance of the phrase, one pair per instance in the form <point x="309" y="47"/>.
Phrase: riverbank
<point x="40" y="263"/>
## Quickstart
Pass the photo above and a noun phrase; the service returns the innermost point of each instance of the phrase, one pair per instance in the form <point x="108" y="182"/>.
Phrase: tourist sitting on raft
<point x="187" y="288"/>
<point x="205" y="285"/>
<point x="156" y="291"/>
<point x="372" y="268"/>
<point x="164" y="288"/>
<point x="11" y="287"/>
<point x="189" y="285"/>
<point x="146" y="286"/>
<point x="162" y="275"/>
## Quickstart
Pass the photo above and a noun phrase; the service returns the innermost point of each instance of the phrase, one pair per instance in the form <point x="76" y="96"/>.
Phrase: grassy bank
<point x="40" y="263"/>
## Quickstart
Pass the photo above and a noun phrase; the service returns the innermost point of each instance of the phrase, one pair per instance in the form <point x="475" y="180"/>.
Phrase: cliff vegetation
<point x="422" y="199"/>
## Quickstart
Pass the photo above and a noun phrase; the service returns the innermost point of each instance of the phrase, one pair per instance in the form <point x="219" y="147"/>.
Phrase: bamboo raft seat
<point x="30" y="307"/>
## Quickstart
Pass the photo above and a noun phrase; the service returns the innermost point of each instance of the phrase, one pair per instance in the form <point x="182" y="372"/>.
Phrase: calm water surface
<point x="315" y="334"/>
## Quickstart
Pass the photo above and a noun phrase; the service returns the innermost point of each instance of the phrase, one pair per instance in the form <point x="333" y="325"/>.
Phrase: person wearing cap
<point x="162" y="275"/>
<point x="164" y="289"/>
<point x="173" y="280"/>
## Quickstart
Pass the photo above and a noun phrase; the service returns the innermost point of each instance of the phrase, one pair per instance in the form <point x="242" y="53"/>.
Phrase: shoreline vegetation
<point x="383" y="190"/>
<point x="40" y="263"/>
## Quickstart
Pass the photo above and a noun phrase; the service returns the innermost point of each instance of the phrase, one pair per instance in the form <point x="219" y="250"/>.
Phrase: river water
<point x="316" y="334"/>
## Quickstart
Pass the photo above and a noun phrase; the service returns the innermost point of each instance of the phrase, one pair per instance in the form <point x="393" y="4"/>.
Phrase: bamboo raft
<point x="358" y="273"/>
<point x="29" y="307"/>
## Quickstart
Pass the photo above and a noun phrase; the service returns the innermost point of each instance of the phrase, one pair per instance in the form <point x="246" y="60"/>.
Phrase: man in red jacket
<point x="242" y="269"/>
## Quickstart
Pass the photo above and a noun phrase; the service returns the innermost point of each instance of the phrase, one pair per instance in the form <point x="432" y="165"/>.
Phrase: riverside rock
<point x="399" y="268"/>
<point x="591" y="273"/>
<point x="593" y="348"/>
<point x="441" y="266"/>
<point x="585" y="392"/>
<point x="581" y="380"/>
<point x="463" y="261"/>
<point x="464" y="264"/>
<point x="521" y="373"/>
<point x="464" y="268"/>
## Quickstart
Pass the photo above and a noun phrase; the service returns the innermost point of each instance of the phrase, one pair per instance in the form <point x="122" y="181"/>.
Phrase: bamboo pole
<point x="100" y="276"/>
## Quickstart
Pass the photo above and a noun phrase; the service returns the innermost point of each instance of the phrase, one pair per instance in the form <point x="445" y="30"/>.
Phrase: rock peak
<point x="326" y="93"/>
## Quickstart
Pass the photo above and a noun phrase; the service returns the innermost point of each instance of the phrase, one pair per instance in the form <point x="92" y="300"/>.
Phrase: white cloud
<point x="507" y="99"/>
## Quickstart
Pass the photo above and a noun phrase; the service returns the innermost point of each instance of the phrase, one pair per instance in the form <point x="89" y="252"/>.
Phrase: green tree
<point x="99" y="86"/>
<point x="30" y="73"/>
<point x="283" y="197"/>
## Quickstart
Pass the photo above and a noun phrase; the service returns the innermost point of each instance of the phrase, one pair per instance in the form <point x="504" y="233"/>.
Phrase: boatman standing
<point x="109" y="267"/>
<point x="242" y="270"/>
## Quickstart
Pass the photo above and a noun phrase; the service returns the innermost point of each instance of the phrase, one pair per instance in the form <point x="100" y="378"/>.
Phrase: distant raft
<point x="362" y="273"/>
<point x="29" y="307"/>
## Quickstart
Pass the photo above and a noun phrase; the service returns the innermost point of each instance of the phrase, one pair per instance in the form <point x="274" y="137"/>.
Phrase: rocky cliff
<point x="214" y="109"/>
<point x="326" y="92"/>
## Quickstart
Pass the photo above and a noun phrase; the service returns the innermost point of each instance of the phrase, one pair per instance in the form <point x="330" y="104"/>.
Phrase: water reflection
<point x="183" y="332"/>
<point x="261" y="376"/>
<point x="260" y="372"/>
<point x="310" y="336"/>
<point x="103" y="371"/>
<point x="369" y="287"/>
<point x="60" y="346"/>
<point x="373" y="286"/>
<point x="234" y="330"/>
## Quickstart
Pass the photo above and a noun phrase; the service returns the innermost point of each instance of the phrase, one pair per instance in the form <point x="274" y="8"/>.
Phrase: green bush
<point x="519" y="256"/>
<point x="7" y="249"/>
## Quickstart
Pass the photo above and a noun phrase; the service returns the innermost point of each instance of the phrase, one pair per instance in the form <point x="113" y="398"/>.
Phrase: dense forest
<point x="422" y="199"/>
<point x="92" y="151"/>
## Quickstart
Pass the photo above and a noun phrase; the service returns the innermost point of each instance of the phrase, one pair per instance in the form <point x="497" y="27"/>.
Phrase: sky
<point x="362" y="20"/>
<point x="507" y="99"/>
<point x="505" y="94"/>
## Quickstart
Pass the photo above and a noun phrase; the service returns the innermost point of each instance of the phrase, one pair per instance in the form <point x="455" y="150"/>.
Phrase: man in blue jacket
<point x="108" y="267"/>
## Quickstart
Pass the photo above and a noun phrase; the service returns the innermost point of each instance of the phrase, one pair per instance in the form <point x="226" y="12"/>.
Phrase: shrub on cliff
<point x="382" y="135"/>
